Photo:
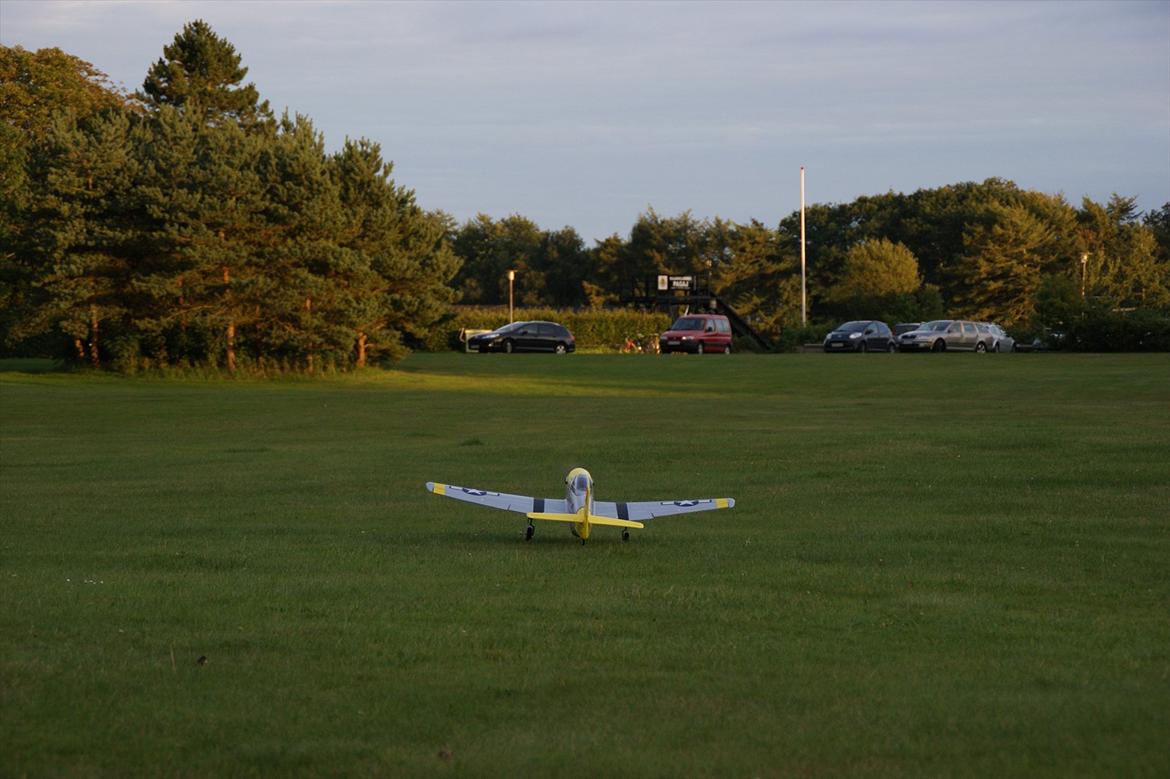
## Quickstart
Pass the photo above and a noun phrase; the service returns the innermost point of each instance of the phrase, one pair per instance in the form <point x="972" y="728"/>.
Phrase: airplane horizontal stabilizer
<point x="555" y="517"/>
<point x="596" y="520"/>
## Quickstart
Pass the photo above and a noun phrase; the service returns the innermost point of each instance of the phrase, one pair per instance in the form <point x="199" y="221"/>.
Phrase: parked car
<point x="1001" y="341"/>
<point x="943" y="334"/>
<point x="525" y="337"/>
<point x="865" y="335"/>
<point x="905" y="327"/>
<point x="698" y="334"/>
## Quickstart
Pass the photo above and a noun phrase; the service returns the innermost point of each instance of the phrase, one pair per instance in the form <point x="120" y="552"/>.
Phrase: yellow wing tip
<point x="438" y="489"/>
<point x="724" y="503"/>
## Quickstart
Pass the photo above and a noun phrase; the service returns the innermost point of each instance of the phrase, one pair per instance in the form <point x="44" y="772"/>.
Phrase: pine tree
<point x="36" y="89"/>
<point x="200" y="73"/>
<point x="74" y="269"/>
<point x="756" y="273"/>
<point x="203" y="202"/>
<point x="1007" y="256"/>
<point x="1121" y="265"/>
<point x="399" y="256"/>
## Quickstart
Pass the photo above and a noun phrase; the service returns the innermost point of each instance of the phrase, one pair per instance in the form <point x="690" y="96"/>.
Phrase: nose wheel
<point x="528" y="532"/>
<point x="625" y="535"/>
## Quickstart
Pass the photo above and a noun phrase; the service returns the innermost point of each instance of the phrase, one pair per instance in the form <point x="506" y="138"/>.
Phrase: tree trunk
<point x="93" y="337"/>
<point x="231" y="327"/>
<point x="231" y="347"/>
<point x="309" y="313"/>
<point x="182" y="308"/>
<point x="361" y="350"/>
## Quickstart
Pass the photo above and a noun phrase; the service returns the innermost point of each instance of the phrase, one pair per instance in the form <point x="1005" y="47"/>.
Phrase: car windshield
<point x="510" y="328"/>
<point x="688" y="323"/>
<point x="938" y="324"/>
<point x="852" y="327"/>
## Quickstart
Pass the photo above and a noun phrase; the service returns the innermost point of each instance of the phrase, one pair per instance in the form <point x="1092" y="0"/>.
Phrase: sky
<point x="588" y="114"/>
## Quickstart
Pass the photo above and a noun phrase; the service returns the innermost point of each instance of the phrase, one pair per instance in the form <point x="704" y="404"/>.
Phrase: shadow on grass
<point x="31" y="365"/>
<point x="547" y="537"/>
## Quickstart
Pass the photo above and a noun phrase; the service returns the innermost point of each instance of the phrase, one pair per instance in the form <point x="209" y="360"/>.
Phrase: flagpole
<point x="803" y="285"/>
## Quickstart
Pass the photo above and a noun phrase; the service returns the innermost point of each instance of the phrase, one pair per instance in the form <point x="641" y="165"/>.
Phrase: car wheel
<point x="892" y="347"/>
<point x="939" y="346"/>
<point x="560" y="349"/>
<point x="863" y="348"/>
<point x="980" y="347"/>
<point x="508" y="347"/>
<point x="996" y="347"/>
<point x="727" y="349"/>
<point x="699" y="349"/>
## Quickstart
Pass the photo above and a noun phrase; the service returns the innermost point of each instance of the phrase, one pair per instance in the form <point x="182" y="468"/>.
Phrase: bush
<point x="792" y="339"/>
<point x="1093" y="326"/>
<point x="1098" y="330"/>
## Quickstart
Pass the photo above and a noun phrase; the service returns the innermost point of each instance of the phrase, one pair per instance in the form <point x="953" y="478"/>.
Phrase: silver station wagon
<point x="943" y="335"/>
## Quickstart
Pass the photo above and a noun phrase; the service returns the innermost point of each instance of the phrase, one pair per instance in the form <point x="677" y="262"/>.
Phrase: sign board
<point x="666" y="283"/>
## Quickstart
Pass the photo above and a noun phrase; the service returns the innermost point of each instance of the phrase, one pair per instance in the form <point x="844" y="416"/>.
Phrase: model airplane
<point x="578" y="507"/>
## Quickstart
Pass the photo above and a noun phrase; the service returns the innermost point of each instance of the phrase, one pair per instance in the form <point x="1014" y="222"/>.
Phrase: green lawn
<point x="938" y="565"/>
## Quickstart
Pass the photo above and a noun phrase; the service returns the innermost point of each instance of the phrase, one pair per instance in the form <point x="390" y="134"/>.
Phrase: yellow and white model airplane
<point x="578" y="508"/>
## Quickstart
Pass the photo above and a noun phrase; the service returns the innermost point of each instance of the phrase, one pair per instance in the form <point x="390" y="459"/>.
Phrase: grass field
<point x="938" y="565"/>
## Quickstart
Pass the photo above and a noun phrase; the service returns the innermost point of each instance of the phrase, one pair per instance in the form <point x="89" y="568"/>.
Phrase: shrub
<point x="792" y="339"/>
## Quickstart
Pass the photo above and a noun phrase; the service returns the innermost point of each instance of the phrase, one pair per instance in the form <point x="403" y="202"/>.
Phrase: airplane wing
<point x="650" y="509"/>
<point x="521" y="504"/>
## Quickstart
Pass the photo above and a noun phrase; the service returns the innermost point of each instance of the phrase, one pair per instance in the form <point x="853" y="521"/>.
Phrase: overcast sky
<point x="585" y="114"/>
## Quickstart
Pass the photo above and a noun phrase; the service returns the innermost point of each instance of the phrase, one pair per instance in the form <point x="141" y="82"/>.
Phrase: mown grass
<point x="939" y="565"/>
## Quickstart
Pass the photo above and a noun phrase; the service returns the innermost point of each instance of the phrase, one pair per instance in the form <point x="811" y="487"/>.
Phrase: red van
<point x="698" y="334"/>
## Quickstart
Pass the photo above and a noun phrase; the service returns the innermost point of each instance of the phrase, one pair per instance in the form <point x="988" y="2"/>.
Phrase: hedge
<point x="594" y="329"/>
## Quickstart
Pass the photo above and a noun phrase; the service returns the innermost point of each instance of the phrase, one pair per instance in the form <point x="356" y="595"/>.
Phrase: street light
<point x="1084" y="263"/>
<point x="511" y="278"/>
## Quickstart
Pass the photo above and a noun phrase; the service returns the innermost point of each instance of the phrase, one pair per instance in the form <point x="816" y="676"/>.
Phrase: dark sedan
<point x="867" y="335"/>
<point x="525" y="337"/>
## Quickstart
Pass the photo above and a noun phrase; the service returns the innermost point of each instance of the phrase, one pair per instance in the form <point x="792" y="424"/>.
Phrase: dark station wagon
<point x="525" y="337"/>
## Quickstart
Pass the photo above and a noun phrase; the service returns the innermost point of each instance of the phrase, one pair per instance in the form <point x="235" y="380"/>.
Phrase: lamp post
<point x="511" y="278"/>
<point x="1084" y="263"/>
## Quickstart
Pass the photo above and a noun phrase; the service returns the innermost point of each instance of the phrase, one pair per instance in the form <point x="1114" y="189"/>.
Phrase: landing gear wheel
<point x="528" y="531"/>
<point x="625" y="535"/>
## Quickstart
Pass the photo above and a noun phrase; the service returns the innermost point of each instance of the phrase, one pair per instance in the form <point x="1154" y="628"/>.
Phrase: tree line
<point x="986" y="251"/>
<point x="187" y="224"/>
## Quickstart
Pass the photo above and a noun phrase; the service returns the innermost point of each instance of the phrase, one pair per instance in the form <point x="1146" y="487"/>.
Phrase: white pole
<point x="803" y="284"/>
